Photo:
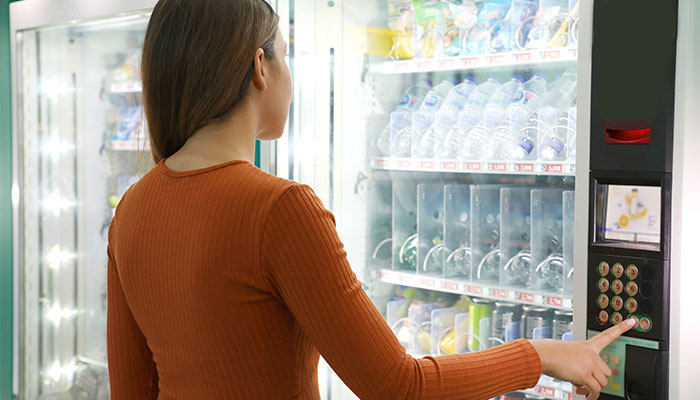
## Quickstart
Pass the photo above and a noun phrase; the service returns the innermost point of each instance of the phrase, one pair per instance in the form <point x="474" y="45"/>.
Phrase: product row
<point x="431" y="29"/>
<point x="434" y="323"/>
<point x="513" y="236"/>
<point x="515" y="120"/>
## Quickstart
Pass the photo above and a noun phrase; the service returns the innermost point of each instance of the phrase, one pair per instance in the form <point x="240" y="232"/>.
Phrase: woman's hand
<point x="580" y="362"/>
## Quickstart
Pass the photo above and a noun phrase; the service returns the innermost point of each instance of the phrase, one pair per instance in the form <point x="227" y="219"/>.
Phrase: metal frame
<point x="25" y="15"/>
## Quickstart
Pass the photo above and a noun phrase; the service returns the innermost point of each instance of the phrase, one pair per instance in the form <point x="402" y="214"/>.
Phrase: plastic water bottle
<point x="495" y="110"/>
<point x="474" y="108"/>
<point x="475" y="141"/>
<point x="555" y="133"/>
<point x="527" y="101"/>
<point x="428" y="141"/>
<point x="401" y="119"/>
<point x="425" y="115"/>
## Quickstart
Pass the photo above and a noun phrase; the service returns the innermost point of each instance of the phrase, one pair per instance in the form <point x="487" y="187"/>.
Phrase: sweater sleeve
<point x="306" y="266"/>
<point x="132" y="371"/>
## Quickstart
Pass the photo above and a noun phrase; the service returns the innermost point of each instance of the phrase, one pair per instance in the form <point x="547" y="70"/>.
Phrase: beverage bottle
<point x="474" y="108"/>
<point x="445" y="118"/>
<point x="527" y="101"/>
<point x="495" y="110"/>
<point x="554" y="134"/>
<point x="400" y="120"/>
<point x="474" y="143"/>
<point x="425" y="115"/>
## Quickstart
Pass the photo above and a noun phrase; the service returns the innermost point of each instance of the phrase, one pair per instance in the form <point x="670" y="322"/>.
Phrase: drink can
<point x="536" y="323"/>
<point x="479" y="315"/>
<point x="503" y="315"/>
<point x="563" y="323"/>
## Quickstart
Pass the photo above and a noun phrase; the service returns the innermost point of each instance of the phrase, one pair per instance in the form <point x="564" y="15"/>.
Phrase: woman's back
<point x="235" y="278"/>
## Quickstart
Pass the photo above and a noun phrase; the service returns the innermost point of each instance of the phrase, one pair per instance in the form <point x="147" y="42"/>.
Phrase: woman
<point x="226" y="282"/>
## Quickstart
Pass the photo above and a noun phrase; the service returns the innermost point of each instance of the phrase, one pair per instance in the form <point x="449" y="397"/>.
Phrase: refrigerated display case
<point x="451" y="134"/>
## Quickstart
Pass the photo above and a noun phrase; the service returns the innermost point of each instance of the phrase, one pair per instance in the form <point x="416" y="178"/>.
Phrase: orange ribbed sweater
<point x="227" y="282"/>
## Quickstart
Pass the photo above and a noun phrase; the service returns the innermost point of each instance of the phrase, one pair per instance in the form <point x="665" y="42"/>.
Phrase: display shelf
<point x="566" y="168"/>
<point x="476" y="289"/>
<point x="522" y="58"/>
<point x="128" y="145"/>
<point x="553" y="390"/>
<point x="126" y="87"/>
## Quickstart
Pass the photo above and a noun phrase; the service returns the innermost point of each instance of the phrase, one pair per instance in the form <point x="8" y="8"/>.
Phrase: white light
<point x="55" y="372"/>
<point x="52" y="88"/>
<point x="55" y="204"/>
<point x="55" y="257"/>
<point x="55" y="314"/>
<point x="54" y="147"/>
<point x="15" y="195"/>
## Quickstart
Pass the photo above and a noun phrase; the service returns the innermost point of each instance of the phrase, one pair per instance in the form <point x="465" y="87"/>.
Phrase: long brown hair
<point x="197" y="64"/>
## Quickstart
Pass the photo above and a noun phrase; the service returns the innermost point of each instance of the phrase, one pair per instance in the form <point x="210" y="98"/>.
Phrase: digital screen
<point x="632" y="213"/>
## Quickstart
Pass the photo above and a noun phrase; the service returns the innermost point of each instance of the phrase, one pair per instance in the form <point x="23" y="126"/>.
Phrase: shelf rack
<point x="540" y="168"/>
<point x="128" y="145"/>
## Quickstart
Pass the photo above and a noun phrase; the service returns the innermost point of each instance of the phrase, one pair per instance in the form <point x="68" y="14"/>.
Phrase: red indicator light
<point x="628" y="135"/>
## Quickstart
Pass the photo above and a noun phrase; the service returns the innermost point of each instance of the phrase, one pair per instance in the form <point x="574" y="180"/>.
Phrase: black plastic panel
<point x="633" y="83"/>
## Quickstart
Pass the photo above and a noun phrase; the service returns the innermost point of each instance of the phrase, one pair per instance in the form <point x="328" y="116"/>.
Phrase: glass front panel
<point x="456" y="145"/>
<point x="81" y="142"/>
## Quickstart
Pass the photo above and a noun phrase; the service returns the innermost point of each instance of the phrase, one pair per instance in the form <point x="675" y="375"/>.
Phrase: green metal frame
<point x="6" y="273"/>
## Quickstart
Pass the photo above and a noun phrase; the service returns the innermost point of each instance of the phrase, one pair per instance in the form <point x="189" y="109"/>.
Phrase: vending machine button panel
<point x="632" y="272"/>
<point x="631" y="305"/>
<point x="617" y="303"/>
<point x="618" y="270"/>
<point x="604" y="268"/>
<point x="616" y="318"/>
<point x="603" y="285"/>
<point x="603" y="317"/>
<point x="632" y="289"/>
<point x="618" y="286"/>
<point x="603" y="301"/>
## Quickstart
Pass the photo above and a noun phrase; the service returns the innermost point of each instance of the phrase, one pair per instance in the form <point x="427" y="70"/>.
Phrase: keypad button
<point x="603" y="317"/>
<point x="647" y="289"/>
<point x="616" y="318"/>
<point x="631" y="305"/>
<point x="605" y="357"/>
<point x="632" y="272"/>
<point x="603" y="301"/>
<point x="603" y="285"/>
<point x="618" y="270"/>
<point x="616" y="372"/>
<point x="618" y="286"/>
<point x="604" y="268"/>
<point x="617" y="303"/>
<point x="645" y="324"/>
<point x="615" y="360"/>
<point x="632" y="288"/>
<point x="636" y="320"/>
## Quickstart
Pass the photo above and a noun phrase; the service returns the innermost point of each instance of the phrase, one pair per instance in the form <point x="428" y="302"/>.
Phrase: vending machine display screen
<point x="632" y="214"/>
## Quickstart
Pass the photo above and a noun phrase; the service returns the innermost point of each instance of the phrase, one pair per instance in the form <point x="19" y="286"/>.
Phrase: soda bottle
<point x="474" y="108"/>
<point x="495" y="110"/>
<point x="445" y="118"/>
<point x="425" y="115"/>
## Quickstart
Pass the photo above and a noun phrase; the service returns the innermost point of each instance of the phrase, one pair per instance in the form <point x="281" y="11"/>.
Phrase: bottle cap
<point x="519" y="78"/>
<point x="450" y="80"/>
<point x="471" y="79"/>
<point x="495" y="78"/>
<point x="425" y="81"/>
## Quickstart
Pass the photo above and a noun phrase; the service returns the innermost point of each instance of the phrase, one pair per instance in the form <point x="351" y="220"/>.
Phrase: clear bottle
<point x="495" y="110"/>
<point x="474" y="144"/>
<point x="474" y="108"/>
<point x="552" y="118"/>
<point x="400" y="120"/>
<point x="527" y="101"/>
<point x="428" y="141"/>
<point x="425" y="115"/>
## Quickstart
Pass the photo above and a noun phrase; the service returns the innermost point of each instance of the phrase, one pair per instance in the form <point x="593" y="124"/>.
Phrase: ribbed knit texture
<point x="227" y="282"/>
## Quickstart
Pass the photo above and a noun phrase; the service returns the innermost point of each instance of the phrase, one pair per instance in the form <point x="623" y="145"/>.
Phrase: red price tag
<point x="403" y="278"/>
<point x="427" y="282"/>
<point x="555" y="168"/>
<point x="427" y="164"/>
<point x="383" y="163"/>
<point x="405" y="164"/>
<point x="474" y="289"/>
<point x="500" y="293"/>
<point x="574" y="53"/>
<point x="551" y="55"/>
<point x="401" y="66"/>
<point x="425" y="64"/>
<point x="447" y="63"/>
<point x="523" y="57"/>
<point x="501" y="167"/>
<point x="547" y="391"/>
<point x="555" y="301"/>
<point x="526" y="167"/>
<point x="496" y="59"/>
<point x="470" y="61"/>
<point x="449" y="165"/>
<point x="449" y="285"/>
<point x="528" y="297"/>
<point x="474" y="166"/>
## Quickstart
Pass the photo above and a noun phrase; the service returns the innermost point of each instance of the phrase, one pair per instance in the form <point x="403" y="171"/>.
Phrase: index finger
<point x="609" y="335"/>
